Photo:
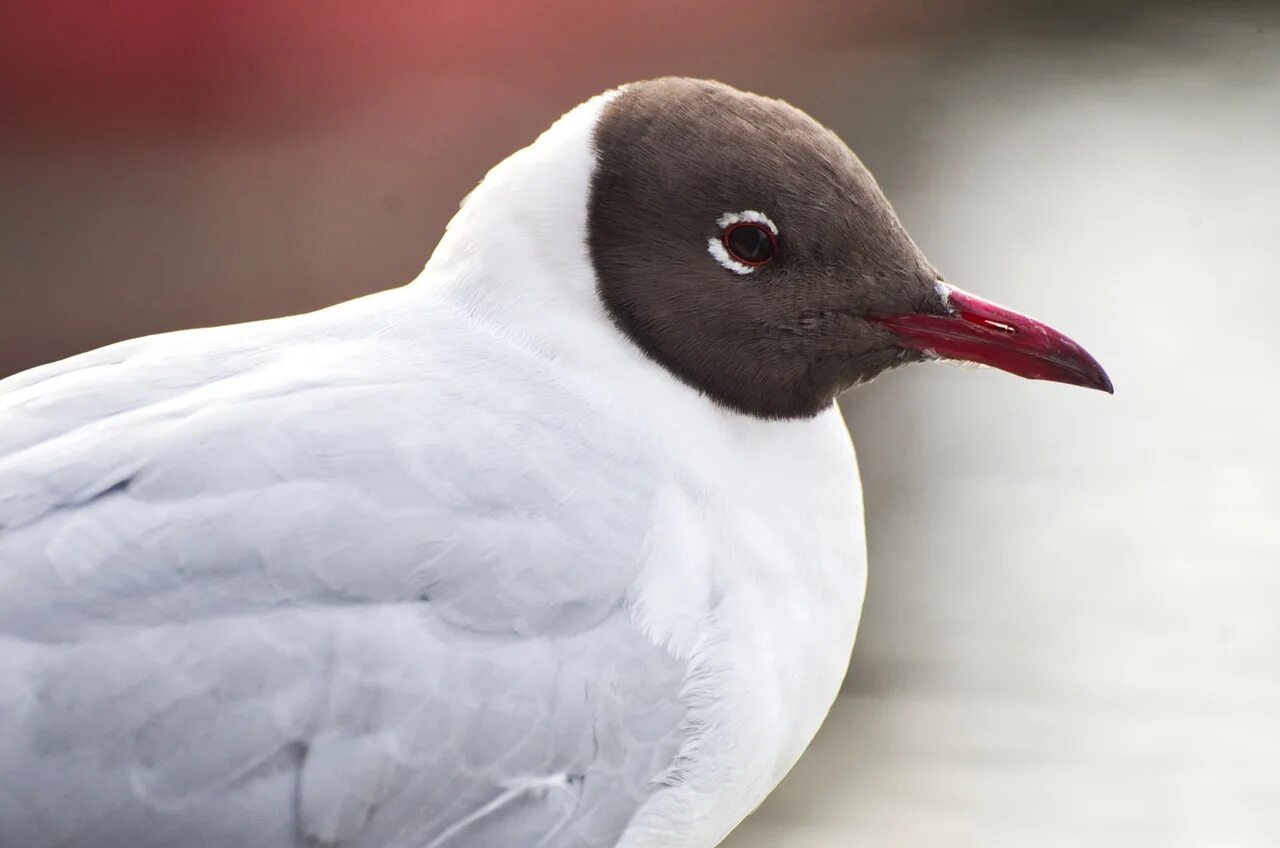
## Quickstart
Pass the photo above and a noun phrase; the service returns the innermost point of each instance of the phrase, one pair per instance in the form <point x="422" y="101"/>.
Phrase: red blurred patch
<point x="98" y="67"/>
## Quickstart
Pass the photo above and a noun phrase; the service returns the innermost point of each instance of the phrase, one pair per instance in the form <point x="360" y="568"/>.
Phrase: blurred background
<point x="1072" y="631"/>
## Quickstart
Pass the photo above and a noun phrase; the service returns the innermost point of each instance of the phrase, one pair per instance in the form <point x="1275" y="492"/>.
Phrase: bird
<point x="559" y="544"/>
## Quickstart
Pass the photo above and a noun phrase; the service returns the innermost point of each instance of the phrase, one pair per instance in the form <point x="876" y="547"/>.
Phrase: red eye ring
<point x="743" y="241"/>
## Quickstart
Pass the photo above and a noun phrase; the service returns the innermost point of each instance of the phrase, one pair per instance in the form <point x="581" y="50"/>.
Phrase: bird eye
<point x="750" y="243"/>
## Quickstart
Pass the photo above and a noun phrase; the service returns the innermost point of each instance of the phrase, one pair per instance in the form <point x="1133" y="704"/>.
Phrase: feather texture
<point x="241" y="602"/>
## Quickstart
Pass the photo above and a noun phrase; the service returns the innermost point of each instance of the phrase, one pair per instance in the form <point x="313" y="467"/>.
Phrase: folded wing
<point x="296" y="584"/>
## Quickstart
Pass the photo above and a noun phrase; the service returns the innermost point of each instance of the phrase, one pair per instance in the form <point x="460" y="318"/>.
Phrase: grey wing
<point x="249" y="604"/>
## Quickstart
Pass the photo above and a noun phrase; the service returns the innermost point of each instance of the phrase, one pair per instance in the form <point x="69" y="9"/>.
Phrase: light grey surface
<point x="1072" y="633"/>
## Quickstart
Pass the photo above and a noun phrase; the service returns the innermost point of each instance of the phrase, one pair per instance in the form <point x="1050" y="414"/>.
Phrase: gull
<point x="560" y="544"/>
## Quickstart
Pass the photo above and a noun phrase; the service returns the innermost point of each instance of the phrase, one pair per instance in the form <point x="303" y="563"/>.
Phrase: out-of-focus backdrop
<point x="1072" y="631"/>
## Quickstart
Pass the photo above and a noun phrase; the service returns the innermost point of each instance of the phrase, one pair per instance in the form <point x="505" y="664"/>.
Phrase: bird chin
<point x="867" y="366"/>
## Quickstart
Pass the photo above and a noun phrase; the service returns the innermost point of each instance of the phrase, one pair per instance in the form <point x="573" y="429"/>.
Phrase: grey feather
<point x="301" y="583"/>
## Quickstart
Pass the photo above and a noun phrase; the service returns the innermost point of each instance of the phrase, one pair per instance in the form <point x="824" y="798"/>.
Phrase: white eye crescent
<point x="747" y="240"/>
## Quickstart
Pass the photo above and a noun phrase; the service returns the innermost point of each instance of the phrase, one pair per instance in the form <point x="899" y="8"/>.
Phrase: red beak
<point x="977" y="330"/>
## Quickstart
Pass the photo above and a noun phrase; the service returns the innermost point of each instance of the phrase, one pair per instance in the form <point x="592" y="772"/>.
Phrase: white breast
<point x="755" y="571"/>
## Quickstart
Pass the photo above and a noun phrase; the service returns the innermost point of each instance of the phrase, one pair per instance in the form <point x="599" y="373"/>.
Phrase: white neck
<point x="516" y="255"/>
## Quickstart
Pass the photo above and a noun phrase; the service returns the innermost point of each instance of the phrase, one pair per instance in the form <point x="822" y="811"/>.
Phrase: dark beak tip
<point x="1092" y="376"/>
<point x="1099" y="382"/>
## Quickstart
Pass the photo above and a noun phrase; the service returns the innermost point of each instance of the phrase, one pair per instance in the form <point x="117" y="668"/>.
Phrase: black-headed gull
<point x="559" y="545"/>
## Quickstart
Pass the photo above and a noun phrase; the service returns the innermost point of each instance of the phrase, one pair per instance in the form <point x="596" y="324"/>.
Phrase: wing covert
<point x="305" y="582"/>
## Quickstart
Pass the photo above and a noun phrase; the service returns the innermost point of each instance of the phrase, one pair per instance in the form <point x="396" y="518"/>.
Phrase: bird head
<point x="745" y="247"/>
